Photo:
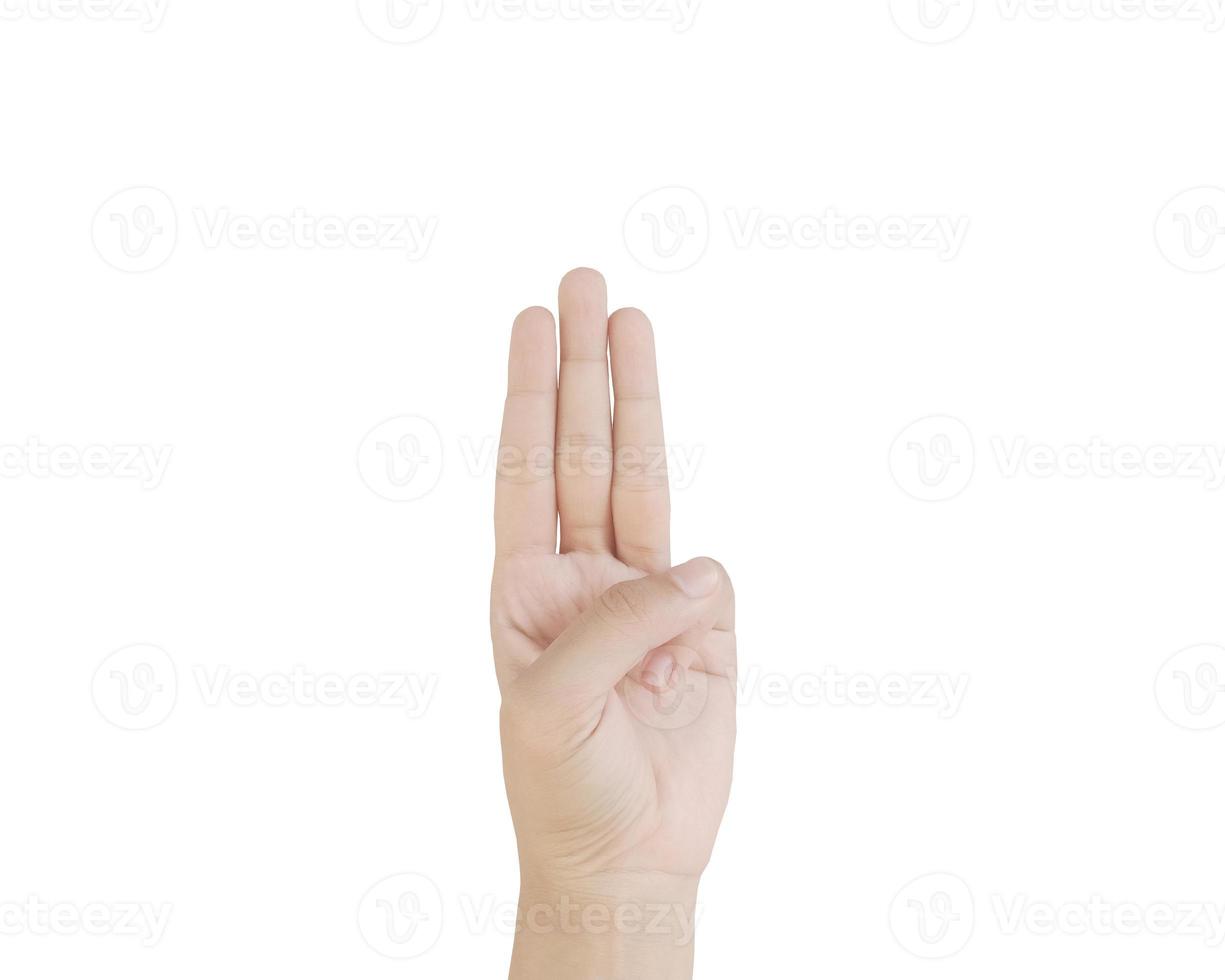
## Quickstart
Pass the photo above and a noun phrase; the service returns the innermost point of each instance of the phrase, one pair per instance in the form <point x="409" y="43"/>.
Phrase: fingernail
<point x="657" y="671"/>
<point x="697" y="578"/>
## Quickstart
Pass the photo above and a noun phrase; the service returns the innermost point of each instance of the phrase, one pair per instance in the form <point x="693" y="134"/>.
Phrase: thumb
<point x="630" y="619"/>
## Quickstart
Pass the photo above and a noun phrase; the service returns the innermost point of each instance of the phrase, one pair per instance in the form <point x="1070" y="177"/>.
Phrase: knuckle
<point x="651" y="557"/>
<point x="623" y="607"/>
<point x="640" y="469"/>
<point x="584" y="455"/>
<point x="725" y="580"/>
<point x="723" y="573"/>
<point x="525" y="467"/>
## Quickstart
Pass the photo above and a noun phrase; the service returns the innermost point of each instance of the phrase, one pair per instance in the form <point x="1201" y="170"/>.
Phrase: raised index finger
<point x="525" y="506"/>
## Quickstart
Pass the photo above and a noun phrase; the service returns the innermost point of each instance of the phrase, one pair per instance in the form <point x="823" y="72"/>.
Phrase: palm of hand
<point x="649" y="786"/>
<point x="641" y="781"/>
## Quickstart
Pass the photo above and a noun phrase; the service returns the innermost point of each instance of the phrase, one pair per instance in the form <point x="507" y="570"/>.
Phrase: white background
<point x="1073" y="311"/>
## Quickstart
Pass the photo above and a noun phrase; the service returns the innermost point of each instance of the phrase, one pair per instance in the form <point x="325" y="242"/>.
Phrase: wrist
<point x="607" y="926"/>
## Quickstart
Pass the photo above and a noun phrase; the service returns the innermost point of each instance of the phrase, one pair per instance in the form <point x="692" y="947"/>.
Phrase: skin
<point x="617" y="671"/>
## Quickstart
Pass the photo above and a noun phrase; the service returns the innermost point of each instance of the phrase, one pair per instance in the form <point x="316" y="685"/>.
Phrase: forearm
<point x="608" y="930"/>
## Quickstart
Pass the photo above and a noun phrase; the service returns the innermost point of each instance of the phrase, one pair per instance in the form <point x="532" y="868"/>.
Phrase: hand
<point x="617" y="672"/>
